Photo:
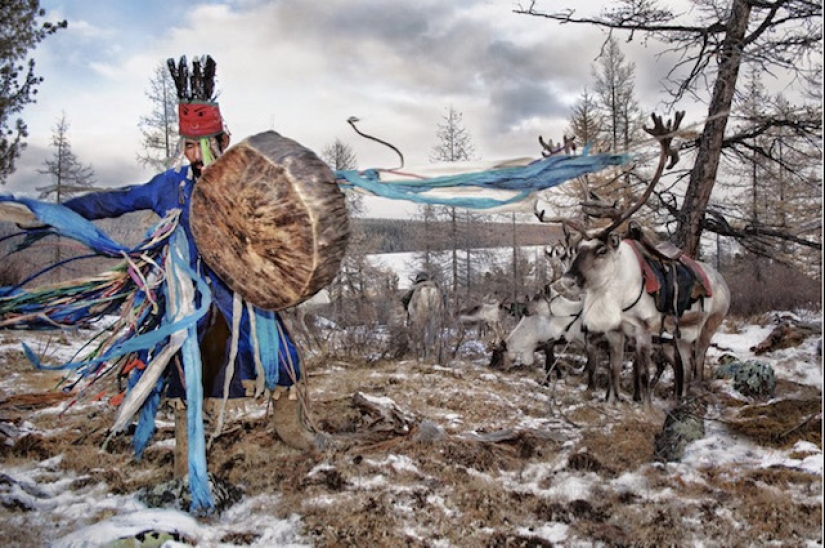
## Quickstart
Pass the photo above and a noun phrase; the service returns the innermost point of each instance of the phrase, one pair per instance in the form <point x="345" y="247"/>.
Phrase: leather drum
<point x="270" y="220"/>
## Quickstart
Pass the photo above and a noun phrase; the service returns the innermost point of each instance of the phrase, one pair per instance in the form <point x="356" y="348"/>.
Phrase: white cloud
<point x="303" y="68"/>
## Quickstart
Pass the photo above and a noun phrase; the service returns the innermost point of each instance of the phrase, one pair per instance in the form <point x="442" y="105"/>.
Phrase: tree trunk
<point x="703" y="176"/>
<point x="515" y="261"/>
<point x="454" y="227"/>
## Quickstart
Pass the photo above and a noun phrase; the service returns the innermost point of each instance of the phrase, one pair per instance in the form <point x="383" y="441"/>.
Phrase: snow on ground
<point x="69" y="511"/>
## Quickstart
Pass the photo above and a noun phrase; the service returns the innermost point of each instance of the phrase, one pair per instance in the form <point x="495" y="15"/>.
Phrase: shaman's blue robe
<point x="169" y="190"/>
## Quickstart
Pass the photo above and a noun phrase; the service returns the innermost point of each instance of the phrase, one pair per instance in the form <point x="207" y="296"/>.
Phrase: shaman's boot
<point x="289" y="419"/>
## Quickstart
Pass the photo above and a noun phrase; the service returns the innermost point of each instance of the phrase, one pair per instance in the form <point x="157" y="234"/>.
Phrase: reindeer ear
<point x="613" y="240"/>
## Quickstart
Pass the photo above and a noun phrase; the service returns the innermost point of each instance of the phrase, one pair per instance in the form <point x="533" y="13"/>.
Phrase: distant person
<point x="420" y="278"/>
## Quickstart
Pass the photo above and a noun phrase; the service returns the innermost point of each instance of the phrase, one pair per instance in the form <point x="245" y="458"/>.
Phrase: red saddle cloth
<point x="700" y="274"/>
<point x="652" y="284"/>
<point x="651" y="281"/>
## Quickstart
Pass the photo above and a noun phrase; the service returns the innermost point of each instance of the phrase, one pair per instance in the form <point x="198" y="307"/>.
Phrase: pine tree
<point x="18" y="82"/>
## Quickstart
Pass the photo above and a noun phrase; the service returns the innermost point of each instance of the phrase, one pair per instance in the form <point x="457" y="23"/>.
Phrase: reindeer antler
<point x="567" y="145"/>
<point x="663" y="133"/>
<point x="548" y="147"/>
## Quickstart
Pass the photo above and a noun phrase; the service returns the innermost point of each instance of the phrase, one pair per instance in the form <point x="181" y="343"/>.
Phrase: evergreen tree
<point x="18" y="82"/>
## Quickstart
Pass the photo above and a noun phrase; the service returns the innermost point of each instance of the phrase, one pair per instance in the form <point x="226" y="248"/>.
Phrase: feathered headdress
<point x="198" y="112"/>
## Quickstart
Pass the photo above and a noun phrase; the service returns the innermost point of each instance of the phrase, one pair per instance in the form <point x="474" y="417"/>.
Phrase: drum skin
<point x="270" y="220"/>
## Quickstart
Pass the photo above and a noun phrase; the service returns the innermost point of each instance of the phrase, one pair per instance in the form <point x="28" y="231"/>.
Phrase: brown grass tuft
<point x="780" y="423"/>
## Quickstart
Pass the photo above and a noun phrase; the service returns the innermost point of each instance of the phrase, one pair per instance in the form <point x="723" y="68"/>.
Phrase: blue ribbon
<point x="538" y="175"/>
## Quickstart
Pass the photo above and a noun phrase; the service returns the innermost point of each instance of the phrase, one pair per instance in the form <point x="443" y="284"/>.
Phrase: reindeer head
<point x="596" y="249"/>
<point x="594" y="264"/>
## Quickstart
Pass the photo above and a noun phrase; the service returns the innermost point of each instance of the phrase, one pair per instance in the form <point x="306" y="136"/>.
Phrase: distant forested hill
<point x="381" y="236"/>
<point x="401" y="235"/>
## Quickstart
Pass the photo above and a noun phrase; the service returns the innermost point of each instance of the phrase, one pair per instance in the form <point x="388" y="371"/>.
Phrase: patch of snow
<point x="367" y="484"/>
<point x="552" y="532"/>
<point x="126" y="525"/>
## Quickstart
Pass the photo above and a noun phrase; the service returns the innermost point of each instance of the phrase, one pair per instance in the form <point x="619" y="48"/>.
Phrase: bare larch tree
<point x="712" y="42"/>
<point x="69" y="176"/>
<point x="454" y="145"/>
<point x="159" y="129"/>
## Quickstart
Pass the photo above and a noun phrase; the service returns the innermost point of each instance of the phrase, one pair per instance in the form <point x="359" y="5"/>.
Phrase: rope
<point x="351" y="121"/>
<point x="260" y="374"/>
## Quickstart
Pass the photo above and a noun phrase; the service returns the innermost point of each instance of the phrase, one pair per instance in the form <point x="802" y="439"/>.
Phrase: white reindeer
<point x="424" y="314"/>
<point x="555" y="319"/>
<point x="301" y="319"/>
<point x="487" y="315"/>
<point x="616" y="304"/>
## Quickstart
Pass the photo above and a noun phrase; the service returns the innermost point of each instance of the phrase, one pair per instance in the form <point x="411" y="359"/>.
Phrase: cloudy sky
<point x="302" y="68"/>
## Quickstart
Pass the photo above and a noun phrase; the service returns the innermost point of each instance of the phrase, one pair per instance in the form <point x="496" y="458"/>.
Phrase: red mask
<point x="199" y="119"/>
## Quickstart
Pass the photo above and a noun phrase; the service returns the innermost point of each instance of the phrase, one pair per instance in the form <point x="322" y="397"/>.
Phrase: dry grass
<point x="780" y="423"/>
<point x="385" y="487"/>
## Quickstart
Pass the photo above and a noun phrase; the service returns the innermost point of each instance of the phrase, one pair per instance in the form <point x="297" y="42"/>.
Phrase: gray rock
<point x="750" y="378"/>
<point x="175" y="494"/>
<point x="683" y="425"/>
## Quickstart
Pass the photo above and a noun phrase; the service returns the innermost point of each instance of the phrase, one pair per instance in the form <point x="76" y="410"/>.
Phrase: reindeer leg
<point x="549" y="359"/>
<point x="643" y="364"/>
<point x="559" y="372"/>
<point x="682" y="365"/>
<point x="615" y="341"/>
<point x="662" y="357"/>
<point x="701" y="346"/>
<point x="591" y="348"/>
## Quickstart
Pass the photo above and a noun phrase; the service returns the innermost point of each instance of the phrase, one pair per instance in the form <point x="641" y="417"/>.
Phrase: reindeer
<point x="424" y="313"/>
<point x="616" y="303"/>
<point x="557" y="321"/>
<point x="485" y="316"/>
